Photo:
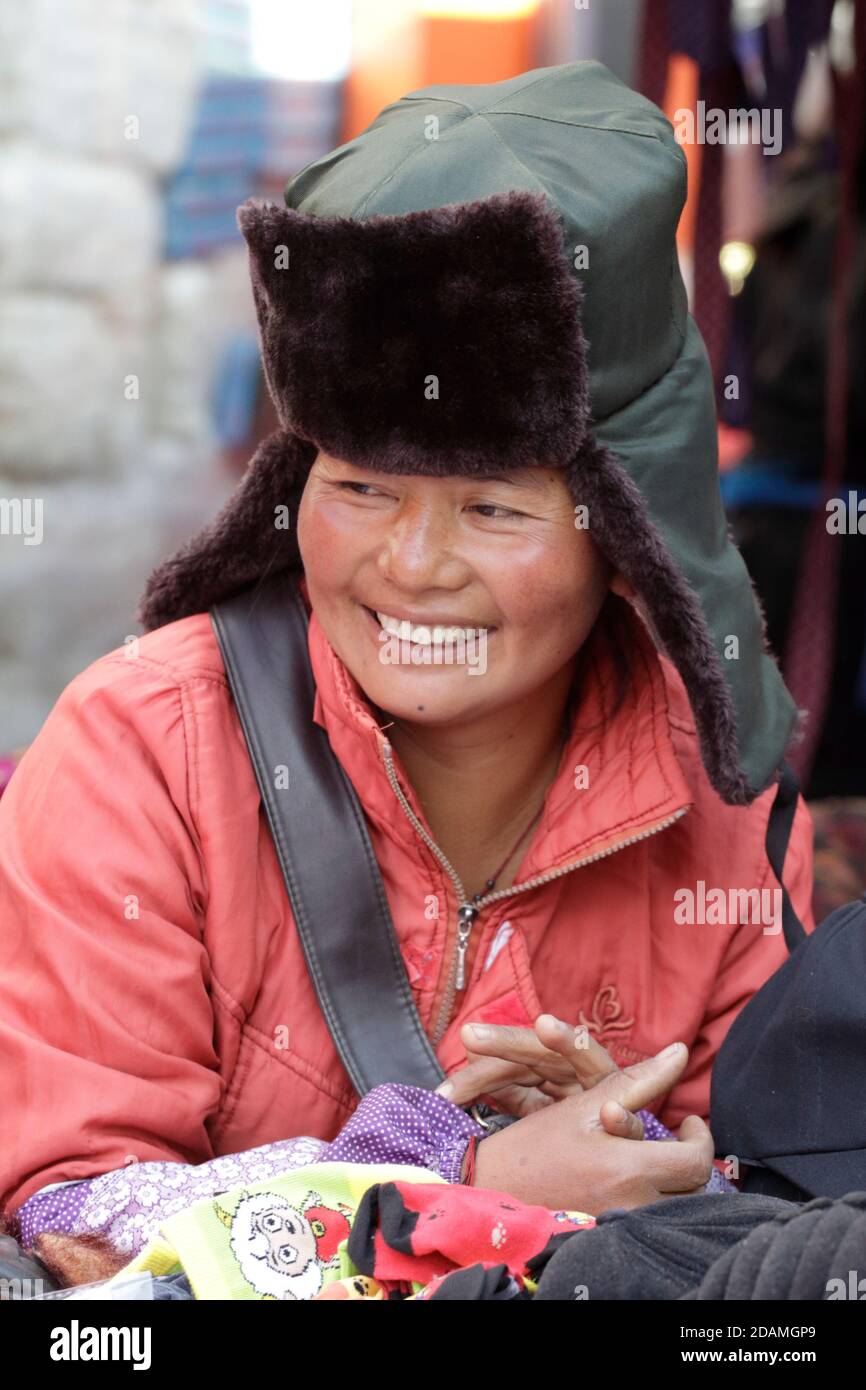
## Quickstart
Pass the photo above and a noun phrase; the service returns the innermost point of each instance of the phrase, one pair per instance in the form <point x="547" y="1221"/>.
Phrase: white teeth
<point x="425" y="636"/>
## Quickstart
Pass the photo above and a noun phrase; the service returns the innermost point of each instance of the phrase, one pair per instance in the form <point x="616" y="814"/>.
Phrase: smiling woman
<point x="425" y="553"/>
<point x="530" y="826"/>
<point x="428" y="554"/>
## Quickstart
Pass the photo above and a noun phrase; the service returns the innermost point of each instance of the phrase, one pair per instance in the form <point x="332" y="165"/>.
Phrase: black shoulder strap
<point x="321" y="839"/>
<point x="778" y="834"/>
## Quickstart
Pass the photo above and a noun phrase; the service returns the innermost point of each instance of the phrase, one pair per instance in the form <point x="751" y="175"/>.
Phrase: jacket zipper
<point x="467" y="911"/>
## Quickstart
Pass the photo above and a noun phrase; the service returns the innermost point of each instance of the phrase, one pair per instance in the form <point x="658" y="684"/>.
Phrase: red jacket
<point x="155" y="1000"/>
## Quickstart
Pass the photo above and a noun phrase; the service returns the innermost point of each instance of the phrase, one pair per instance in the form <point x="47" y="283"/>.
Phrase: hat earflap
<point x="254" y="534"/>
<point x="619" y="523"/>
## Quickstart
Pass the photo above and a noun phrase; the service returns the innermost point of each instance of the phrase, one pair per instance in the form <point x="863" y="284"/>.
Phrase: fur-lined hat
<point x="487" y="276"/>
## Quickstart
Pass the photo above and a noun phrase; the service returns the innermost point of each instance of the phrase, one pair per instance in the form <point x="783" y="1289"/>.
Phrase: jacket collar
<point x="632" y="781"/>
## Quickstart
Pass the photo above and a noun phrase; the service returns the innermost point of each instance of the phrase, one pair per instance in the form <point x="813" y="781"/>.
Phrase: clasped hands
<point x="574" y="1145"/>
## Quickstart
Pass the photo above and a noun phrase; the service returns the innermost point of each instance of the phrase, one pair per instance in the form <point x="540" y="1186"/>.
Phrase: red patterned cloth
<point x="408" y="1233"/>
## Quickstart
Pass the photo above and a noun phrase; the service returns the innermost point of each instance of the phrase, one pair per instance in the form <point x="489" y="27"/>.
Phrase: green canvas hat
<point x="487" y="276"/>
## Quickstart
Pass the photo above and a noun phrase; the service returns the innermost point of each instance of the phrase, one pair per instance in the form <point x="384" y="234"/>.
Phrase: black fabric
<point x="786" y="1093"/>
<point x="779" y="826"/>
<point x="769" y="1184"/>
<point x="381" y="1209"/>
<point x="816" y="1252"/>
<point x="655" y="1252"/>
<point x="787" y="1087"/>
<point x="477" y="1284"/>
<point x="342" y="919"/>
<point x="536" y="1266"/>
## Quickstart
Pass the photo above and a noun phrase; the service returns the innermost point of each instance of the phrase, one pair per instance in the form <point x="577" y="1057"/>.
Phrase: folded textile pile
<point x="388" y="1231"/>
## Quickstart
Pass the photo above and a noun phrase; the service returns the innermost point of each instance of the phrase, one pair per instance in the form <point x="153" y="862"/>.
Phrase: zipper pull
<point x="465" y="917"/>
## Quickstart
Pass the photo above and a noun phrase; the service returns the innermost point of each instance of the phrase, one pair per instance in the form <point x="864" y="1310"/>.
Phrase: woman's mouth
<point x="440" y="634"/>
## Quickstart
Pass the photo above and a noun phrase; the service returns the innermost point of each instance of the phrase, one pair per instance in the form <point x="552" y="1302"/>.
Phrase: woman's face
<point x="499" y="562"/>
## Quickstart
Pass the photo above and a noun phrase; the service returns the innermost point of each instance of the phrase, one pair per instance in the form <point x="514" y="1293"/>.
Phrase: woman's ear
<point x="620" y="585"/>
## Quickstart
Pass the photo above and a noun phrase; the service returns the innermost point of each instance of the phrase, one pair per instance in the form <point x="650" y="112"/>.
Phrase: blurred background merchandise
<point x="130" y="390"/>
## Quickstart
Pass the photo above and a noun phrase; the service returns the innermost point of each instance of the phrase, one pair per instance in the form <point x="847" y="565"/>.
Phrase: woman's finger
<point x="501" y="1055"/>
<point x="616" y="1120"/>
<point x="517" y="1045"/>
<point x="589" y="1061"/>
<point x="686" y="1166"/>
<point x="638" y="1085"/>
<point x="488" y="1075"/>
<point x="694" y="1129"/>
<point x="531" y="1076"/>
<point x="520" y="1100"/>
<point x="519" y="1073"/>
<point x="513" y="1100"/>
<point x="561" y="1090"/>
<point x="555" y="1049"/>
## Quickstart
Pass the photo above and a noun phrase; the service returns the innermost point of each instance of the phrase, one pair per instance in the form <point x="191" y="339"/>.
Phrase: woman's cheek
<point x="322" y="539"/>
<point x="553" y="612"/>
<point x="533" y="599"/>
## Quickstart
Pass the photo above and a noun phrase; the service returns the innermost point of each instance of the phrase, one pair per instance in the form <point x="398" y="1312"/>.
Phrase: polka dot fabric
<point x="404" y="1124"/>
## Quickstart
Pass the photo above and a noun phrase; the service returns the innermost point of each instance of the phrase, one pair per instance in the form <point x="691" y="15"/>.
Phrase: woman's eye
<point x="356" y="487"/>
<point x="488" y="508"/>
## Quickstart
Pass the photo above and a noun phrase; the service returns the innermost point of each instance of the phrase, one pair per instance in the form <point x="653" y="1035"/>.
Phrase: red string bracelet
<point x="469" y="1161"/>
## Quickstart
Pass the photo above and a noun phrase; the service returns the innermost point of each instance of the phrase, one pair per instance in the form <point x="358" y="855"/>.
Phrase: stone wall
<point x="104" y="349"/>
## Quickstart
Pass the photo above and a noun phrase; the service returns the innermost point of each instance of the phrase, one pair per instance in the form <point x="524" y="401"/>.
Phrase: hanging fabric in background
<point x="811" y="646"/>
<point x="752" y="53"/>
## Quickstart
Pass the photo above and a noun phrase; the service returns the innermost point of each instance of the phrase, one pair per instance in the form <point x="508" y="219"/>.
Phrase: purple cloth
<point x="405" y="1124"/>
<point x="392" y="1124"/>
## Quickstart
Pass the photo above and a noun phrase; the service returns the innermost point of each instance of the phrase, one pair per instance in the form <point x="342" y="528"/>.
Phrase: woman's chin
<point x="429" y="695"/>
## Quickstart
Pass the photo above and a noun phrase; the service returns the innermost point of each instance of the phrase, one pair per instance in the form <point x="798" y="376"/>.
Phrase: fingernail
<point x="669" y="1051"/>
<point x="481" y="1030"/>
<point x="446" y="1090"/>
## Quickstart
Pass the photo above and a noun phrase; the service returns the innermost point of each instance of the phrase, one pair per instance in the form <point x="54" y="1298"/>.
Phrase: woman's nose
<point x="418" y="549"/>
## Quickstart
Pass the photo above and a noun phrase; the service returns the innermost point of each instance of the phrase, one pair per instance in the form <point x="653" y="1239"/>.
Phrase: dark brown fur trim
<point x="479" y="295"/>
<point x="620" y="524"/>
<point x="241" y="544"/>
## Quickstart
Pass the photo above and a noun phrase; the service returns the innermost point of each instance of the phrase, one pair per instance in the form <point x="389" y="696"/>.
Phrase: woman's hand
<point x="522" y="1070"/>
<point x="561" y="1156"/>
